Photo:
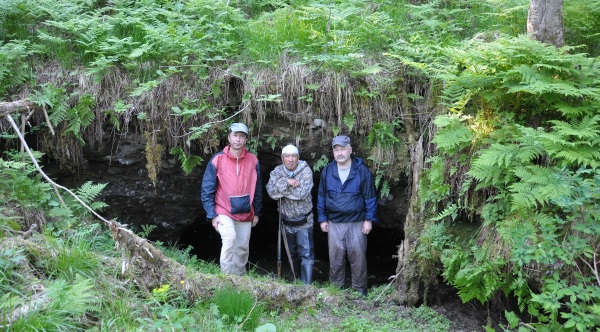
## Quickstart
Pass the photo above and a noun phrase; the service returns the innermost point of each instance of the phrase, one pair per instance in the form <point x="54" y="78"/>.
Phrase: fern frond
<point x="487" y="176"/>
<point x="449" y="211"/>
<point x="452" y="133"/>
<point x="586" y="128"/>
<point x="580" y="155"/>
<point x="570" y="110"/>
<point x="538" y="187"/>
<point x="536" y="175"/>
<point x="492" y="165"/>
<point x="574" y="142"/>
<point x="98" y="206"/>
<point x="89" y="191"/>
<point x="74" y="298"/>
<point x="523" y="197"/>
<point x="530" y="152"/>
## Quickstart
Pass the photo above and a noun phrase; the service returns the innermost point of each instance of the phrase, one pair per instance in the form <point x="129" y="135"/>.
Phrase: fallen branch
<point x="19" y="106"/>
<point x="46" y="177"/>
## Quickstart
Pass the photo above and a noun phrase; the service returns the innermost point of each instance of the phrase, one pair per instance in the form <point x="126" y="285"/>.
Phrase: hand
<point x="255" y="221"/>
<point x="367" y="226"/>
<point x="293" y="183"/>
<point x="325" y="226"/>
<point x="216" y="223"/>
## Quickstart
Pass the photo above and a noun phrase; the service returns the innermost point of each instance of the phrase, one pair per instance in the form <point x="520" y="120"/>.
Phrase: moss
<point x="153" y="157"/>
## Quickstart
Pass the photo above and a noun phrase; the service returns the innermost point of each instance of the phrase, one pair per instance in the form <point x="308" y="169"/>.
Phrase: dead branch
<point x="20" y="106"/>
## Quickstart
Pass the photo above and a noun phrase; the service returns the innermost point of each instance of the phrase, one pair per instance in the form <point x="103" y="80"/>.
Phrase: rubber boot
<point x="307" y="271"/>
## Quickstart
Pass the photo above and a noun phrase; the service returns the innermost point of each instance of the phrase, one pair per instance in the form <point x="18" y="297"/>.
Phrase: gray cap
<point x="340" y="140"/>
<point x="237" y="127"/>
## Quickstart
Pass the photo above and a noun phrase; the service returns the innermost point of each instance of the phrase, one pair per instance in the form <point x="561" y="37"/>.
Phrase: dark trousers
<point x="303" y="253"/>
<point x="347" y="239"/>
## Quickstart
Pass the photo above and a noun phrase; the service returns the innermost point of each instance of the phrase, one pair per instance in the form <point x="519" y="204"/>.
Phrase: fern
<point x="450" y="211"/>
<point x="88" y="192"/>
<point x="53" y="98"/>
<point x="537" y="185"/>
<point x="349" y="120"/>
<point x="188" y="163"/>
<point x="73" y="299"/>
<point x="452" y="134"/>
<point x="80" y="117"/>
<point x="14" y="70"/>
<point x="536" y="174"/>
<point x="475" y="276"/>
<point x="319" y="164"/>
<point x="584" y="129"/>
<point x="490" y="168"/>
<point x="433" y="187"/>
<point x="575" y="142"/>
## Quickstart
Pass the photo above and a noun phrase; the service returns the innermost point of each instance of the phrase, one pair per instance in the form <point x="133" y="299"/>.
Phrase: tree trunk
<point x="408" y="276"/>
<point x="545" y="22"/>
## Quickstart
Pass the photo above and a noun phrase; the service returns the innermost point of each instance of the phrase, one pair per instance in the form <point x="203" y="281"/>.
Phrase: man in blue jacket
<point x="347" y="208"/>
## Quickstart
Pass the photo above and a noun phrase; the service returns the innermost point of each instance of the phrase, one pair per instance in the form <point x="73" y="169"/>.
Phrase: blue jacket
<point x="355" y="200"/>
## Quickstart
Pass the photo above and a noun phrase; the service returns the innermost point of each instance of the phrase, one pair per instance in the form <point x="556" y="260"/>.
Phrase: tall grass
<point x="237" y="307"/>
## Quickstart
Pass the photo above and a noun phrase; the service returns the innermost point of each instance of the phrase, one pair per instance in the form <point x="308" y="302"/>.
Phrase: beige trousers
<point x="235" y="238"/>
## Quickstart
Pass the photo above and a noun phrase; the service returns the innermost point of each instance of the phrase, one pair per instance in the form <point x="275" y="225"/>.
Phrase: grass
<point x="237" y="307"/>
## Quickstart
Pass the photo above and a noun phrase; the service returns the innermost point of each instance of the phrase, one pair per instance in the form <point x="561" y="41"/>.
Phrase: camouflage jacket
<point x="296" y="203"/>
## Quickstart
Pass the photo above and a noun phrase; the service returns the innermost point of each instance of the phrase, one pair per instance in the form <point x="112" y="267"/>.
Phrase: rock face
<point x="173" y="205"/>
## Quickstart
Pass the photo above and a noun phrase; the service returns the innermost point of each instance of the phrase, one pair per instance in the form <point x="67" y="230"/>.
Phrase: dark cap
<point x="238" y="127"/>
<point x="340" y="140"/>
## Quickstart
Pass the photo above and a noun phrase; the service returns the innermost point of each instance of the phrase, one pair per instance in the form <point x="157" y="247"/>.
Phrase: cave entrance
<point x="382" y="246"/>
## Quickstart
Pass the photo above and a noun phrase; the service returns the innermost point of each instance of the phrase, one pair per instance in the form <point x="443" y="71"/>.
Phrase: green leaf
<point x="512" y="319"/>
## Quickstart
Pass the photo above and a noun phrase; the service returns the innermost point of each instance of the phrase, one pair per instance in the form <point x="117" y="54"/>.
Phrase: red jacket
<point x="232" y="186"/>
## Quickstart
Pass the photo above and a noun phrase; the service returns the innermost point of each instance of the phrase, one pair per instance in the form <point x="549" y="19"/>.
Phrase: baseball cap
<point x="237" y="127"/>
<point x="340" y="140"/>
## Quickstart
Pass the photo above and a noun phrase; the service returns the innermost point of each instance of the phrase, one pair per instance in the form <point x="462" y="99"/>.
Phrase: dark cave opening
<point x="382" y="247"/>
<point x="137" y="203"/>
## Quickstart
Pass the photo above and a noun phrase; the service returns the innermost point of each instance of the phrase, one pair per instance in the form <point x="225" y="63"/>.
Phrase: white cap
<point x="290" y="149"/>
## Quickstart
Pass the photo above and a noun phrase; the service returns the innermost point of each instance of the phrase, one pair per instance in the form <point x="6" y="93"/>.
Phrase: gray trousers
<point x="347" y="239"/>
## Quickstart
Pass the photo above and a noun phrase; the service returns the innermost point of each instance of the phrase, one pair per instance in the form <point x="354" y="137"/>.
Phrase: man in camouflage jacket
<point x="292" y="183"/>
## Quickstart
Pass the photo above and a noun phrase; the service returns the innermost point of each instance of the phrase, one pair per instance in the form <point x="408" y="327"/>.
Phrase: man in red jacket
<point x="232" y="198"/>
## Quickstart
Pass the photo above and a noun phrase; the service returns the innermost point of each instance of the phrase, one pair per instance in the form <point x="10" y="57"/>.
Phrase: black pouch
<point x="295" y="221"/>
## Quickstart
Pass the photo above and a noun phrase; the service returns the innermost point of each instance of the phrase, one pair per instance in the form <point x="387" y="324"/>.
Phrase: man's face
<point x="290" y="161"/>
<point x="341" y="154"/>
<point x="237" y="139"/>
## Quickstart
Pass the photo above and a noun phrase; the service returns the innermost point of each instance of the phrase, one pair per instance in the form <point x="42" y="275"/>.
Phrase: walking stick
<point x="279" y="244"/>
<point x="287" y="248"/>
